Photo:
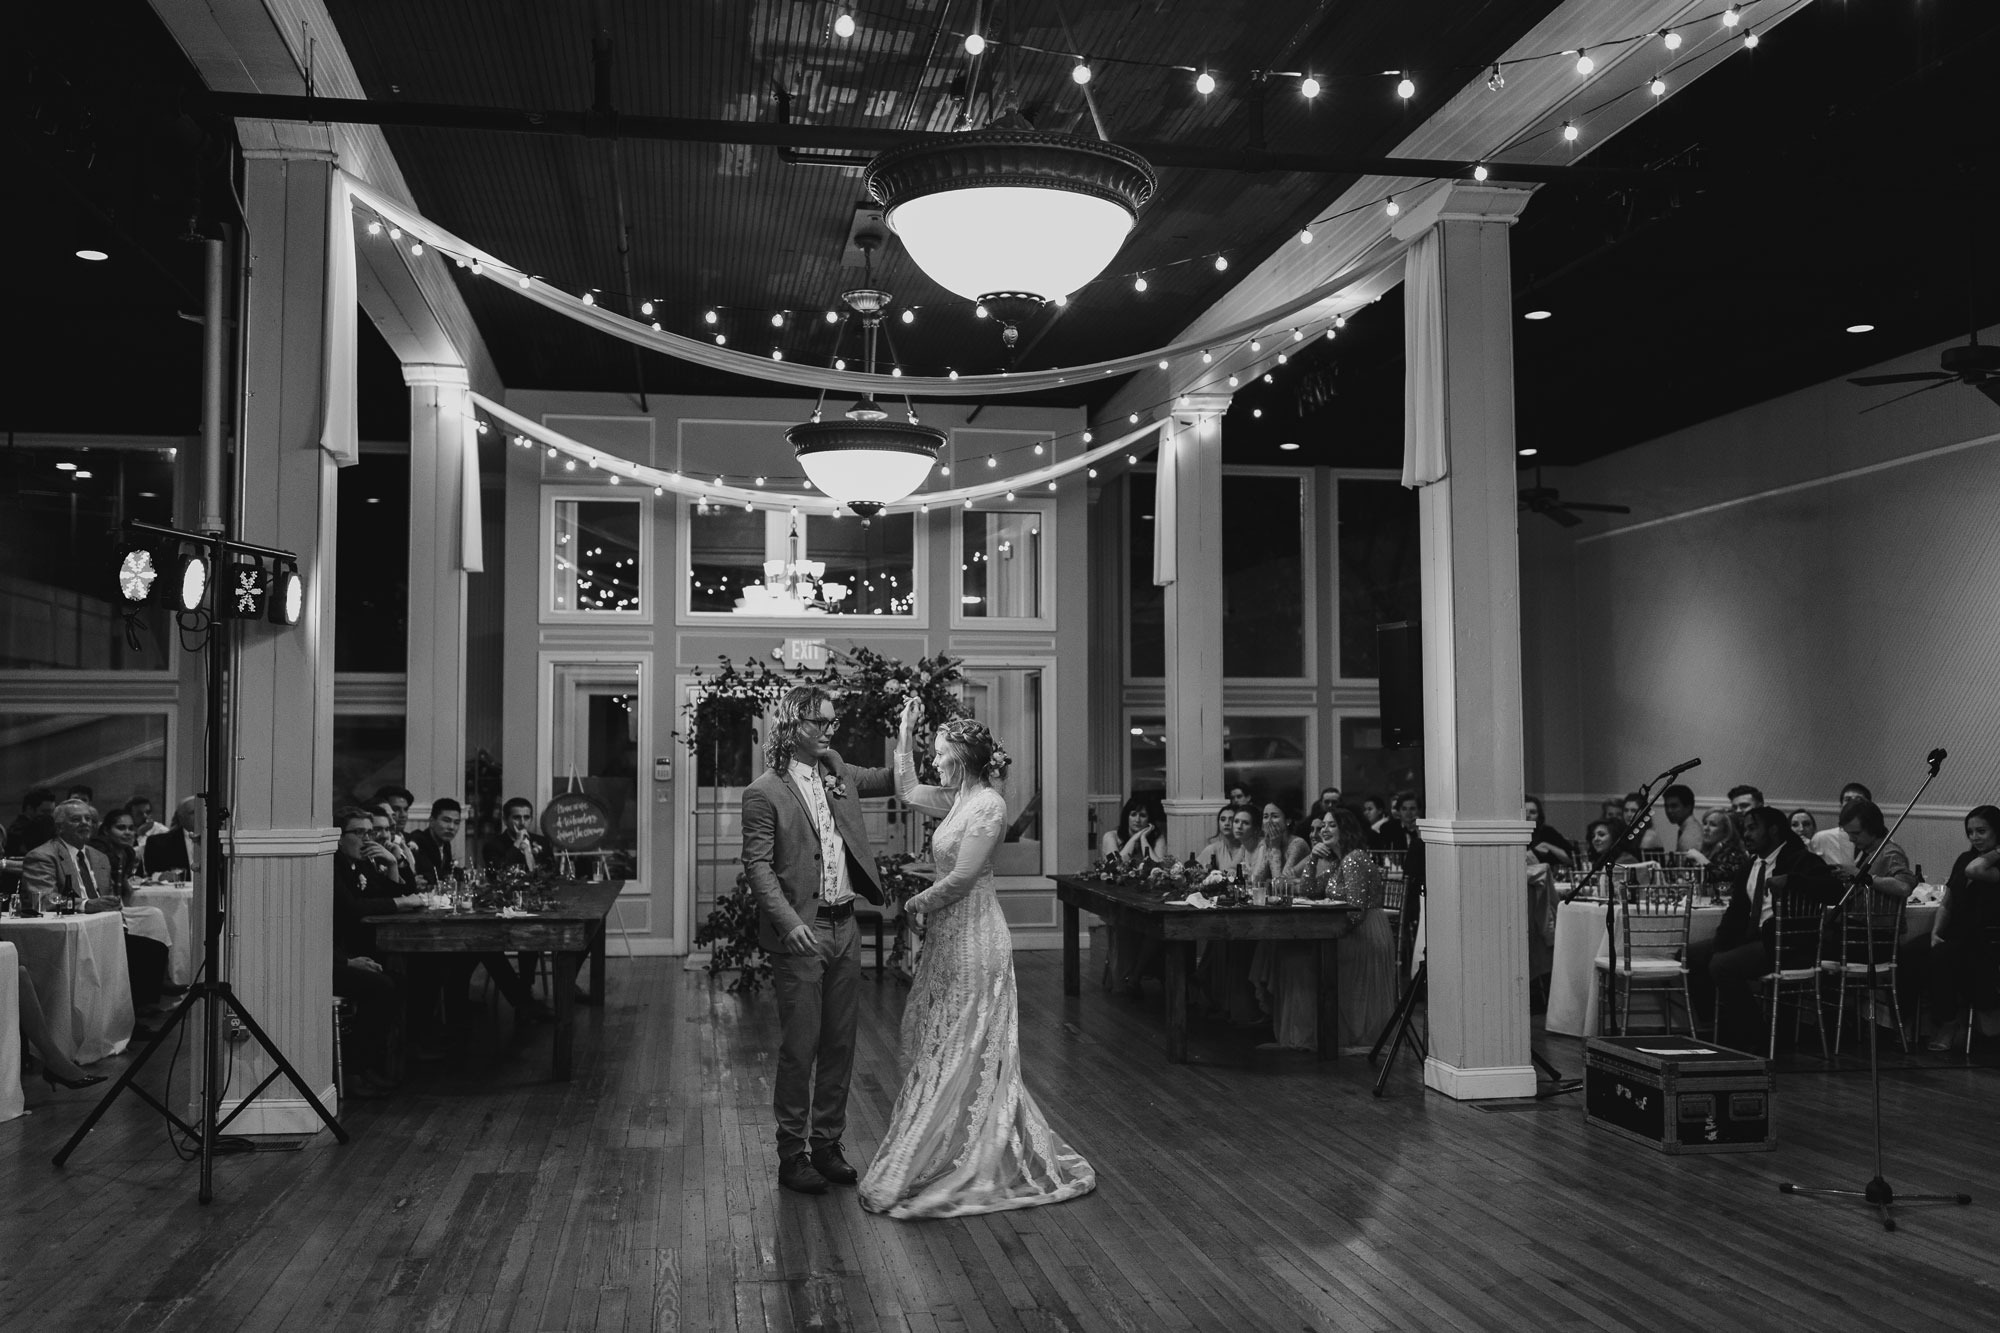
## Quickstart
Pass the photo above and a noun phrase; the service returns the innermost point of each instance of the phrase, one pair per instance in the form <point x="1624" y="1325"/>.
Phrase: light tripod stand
<point x="1877" y="1193"/>
<point x="210" y="991"/>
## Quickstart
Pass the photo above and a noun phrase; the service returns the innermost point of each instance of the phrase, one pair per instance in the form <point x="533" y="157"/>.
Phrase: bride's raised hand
<point x="913" y="712"/>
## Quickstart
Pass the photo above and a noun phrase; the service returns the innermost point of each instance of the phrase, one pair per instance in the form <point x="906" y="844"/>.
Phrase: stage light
<point x="190" y="580"/>
<point x="244" y="590"/>
<point x="137" y="573"/>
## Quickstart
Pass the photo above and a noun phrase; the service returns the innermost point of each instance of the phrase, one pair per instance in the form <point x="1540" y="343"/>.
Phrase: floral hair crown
<point x="975" y="735"/>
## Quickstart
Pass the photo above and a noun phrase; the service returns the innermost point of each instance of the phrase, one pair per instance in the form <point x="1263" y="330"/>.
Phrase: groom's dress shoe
<point x="797" y="1173"/>
<point x="829" y="1162"/>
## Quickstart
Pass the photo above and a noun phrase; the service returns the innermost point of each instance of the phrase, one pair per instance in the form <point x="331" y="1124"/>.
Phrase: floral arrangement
<point x="730" y="932"/>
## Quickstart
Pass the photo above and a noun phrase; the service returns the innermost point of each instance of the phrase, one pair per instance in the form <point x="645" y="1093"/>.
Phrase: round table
<point x="12" y="1103"/>
<point x="176" y="903"/>
<point x="78" y="966"/>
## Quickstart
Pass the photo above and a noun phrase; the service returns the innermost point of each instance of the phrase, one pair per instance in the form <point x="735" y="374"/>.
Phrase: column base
<point x="290" y="1114"/>
<point x="1477" y="1085"/>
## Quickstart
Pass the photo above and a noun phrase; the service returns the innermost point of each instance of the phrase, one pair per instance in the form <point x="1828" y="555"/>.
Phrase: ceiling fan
<point x="1976" y="363"/>
<point x="1548" y="502"/>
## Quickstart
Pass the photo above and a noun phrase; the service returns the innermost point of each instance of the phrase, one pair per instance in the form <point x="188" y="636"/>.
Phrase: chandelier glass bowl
<point x="865" y="463"/>
<point x="998" y="211"/>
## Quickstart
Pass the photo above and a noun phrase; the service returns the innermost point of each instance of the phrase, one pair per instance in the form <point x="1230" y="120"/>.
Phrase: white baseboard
<point x="1473" y="1085"/>
<point x="280" y="1115"/>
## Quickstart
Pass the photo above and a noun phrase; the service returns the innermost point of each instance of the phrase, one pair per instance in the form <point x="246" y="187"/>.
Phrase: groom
<point x="806" y="854"/>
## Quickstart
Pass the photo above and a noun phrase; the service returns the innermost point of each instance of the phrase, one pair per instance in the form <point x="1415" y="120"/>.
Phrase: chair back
<point x="1873" y="920"/>
<point x="1655" y="921"/>
<point x="1799" y="916"/>
<point x="1393" y="881"/>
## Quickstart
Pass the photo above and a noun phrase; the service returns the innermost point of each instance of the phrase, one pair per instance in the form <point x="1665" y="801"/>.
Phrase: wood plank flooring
<point x="1245" y="1190"/>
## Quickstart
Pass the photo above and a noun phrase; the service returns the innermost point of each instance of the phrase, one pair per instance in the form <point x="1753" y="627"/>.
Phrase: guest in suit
<point x="387" y="855"/>
<point x="517" y="844"/>
<point x="141" y="810"/>
<point x="1743" y="798"/>
<point x="807" y="859"/>
<point x="436" y="857"/>
<point x="1745" y="944"/>
<point x="179" y="848"/>
<point x="36" y="823"/>
<point x="119" y="842"/>
<point x="360" y="891"/>
<point x="1375" y="816"/>
<point x="68" y="869"/>
<point x="436" y="860"/>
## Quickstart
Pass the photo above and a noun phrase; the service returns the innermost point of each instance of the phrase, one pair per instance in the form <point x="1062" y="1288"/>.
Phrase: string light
<point x="722" y="340"/>
<point x="1039" y="451"/>
<point x="375" y="229"/>
<point x="979" y="311"/>
<point x="708" y="318"/>
<point x="1305" y="236"/>
<point x="416" y="247"/>
<point x="1309" y="87"/>
<point x="525" y="280"/>
<point x="833" y="317"/>
<point x="840" y="363"/>
<point x="1256" y="345"/>
<point x="991" y="461"/>
<point x="896" y="371"/>
<point x="1134" y="418"/>
<point x="1282" y="358"/>
<point x="1407" y="88"/>
<point x="1133" y="459"/>
<point x="589" y="299"/>
<point x="1204" y="83"/>
<point x="951" y="374"/>
<point x="1233" y="382"/>
<point x="1570" y="131"/>
<point x="1496" y="80"/>
<point x="645" y="307"/>
<point x="1088" y="437"/>
<point x="1732" y="16"/>
<point x="1257" y="412"/>
<point x="1052" y="485"/>
<point x="974" y="44"/>
<point x="1163" y="363"/>
<point x="909" y="315"/>
<point x="1139" y="283"/>
<point x="1393" y="208"/>
<point x="1479" y="172"/>
<point x="395" y="233"/>
<point x="1093" y="474"/>
<point x="777" y="354"/>
<point x="1750" y="40"/>
<point x="843" y="25"/>
<point x="1010" y="495"/>
<point x="656" y="326"/>
<point x="1584" y="64"/>
<point x="1658" y="87"/>
<point x="1206" y="358"/>
<point x="1081" y="74"/>
<point x="778" y="320"/>
<point x="1222" y="263"/>
<point x="1670" y="39"/>
<point x="1340" y="321"/>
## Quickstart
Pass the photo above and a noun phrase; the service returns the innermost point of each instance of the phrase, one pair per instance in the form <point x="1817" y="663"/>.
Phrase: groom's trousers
<point x="819" y="998"/>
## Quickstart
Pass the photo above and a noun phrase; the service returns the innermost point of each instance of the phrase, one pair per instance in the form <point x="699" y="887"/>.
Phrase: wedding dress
<point x="965" y="1135"/>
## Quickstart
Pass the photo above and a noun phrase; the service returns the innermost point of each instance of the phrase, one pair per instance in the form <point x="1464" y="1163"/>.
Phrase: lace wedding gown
<point x="965" y="1135"/>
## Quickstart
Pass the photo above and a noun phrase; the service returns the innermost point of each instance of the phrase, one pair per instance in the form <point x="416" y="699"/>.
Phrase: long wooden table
<point x="1180" y="929"/>
<point x="569" y="932"/>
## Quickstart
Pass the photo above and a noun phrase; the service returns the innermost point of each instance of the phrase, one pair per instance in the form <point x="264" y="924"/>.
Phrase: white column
<point x="1474" y="836"/>
<point x="279" y="950"/>
<point x="1106" y="594"/>
<point x="434" y="729"/>
<point x="1192" y="448"/>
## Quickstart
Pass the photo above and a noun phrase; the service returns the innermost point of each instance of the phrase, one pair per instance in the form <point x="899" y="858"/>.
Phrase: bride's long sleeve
<point x="983" y="829"/>
<point x="931" y="800"/>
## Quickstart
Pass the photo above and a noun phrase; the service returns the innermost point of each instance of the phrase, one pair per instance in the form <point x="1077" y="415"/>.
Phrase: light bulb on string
<point x="1039" y="451"/>
<point x="1256" y="345"/>
<point x="656" y="327"/>
<point x="1052" y="485"/>
<point x="1010" y="495"/>
<point x="951" y="374"/>
<point x="375" y="229"/>
<point x="1305" y="236"/>
<point x="1392" y="208"/>
<point x="395" y="233"/>
<point x="896" y="371"/>
<point x="909" y="315"/>
<point x="1139" y="283"/>
<point x="1133" y="459"/>
<point x="1584" y="64"/>
<point x="1268" y="379"/>
<point x="1670" y="39"/>
<point x="1309" y="87"/>
<point x="843" y="25"/>
<point x="1479" y="172"/>
<point x="1222" y="263"/>
<point x="645" y="307"/>
<point x="1340" y="321"/>
<point x="1080" y="75"/>
<point x="1093" y="474"/>
<point x="416" y="247"/>
<point x="524" y="281"/>
<point x="1206" y="357"/>
<point x="979" y="311"/>
<point x="1406" y="88"/>
<point x="1233" y="381"/>
<point x="1163" y="363"/>
<point x="1570" y="131"/>
<point x="708" y="317"/>
<point x="722" y="340"/>
<point x="1134" y="418"/>
<point x="778" y="320"/>
<point x="991" y="461"/>
<point x="1658" y="87"/>
<point x="1732" y="16"/>
<point x="833" y="317"/>
<point x="1257" y="412"/>
<point x="1204" y="83"/>
<point x="840" y="363"/>
<point x="974" y="43"/>
<point x="1283" y="358"/>
<point x="1088" y="437"/>
<point x="777" y="354"/>
<point x="1496" y="80"/>
<point x="1750" y="40"/>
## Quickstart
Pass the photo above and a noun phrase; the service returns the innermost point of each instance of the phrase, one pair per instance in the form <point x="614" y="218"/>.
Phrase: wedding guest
<point x="67" y="869"/>
<point x="1240" y="799"/>
<point x="141" y="810"/>
<point x="397" y="800"/>
<point x="1401" y="832"/>
<point x="1961" y="968"/>
<point x="1601" y="837"/>
<point x="1832" y="845"/>
<point x="432" y="844"/>
<point x="35" y="824"/>
<point x="517" y="843"/>
<point x="1680" y="831"/>
<point x="1806" y="826"/>
<point x="1329" y="797"/>
<point x="1889" y="867"/>
<point x="1233" y="849"/>
<point x="1375" y="814"/>
<point x="1632" y="811"/>
<point x="1612" y="807"/>
<point x="1721" y="851"/>
<point x="58" y="1070"/>
<point x="1287" y="974"/>
<point x="179" y="848"/>
<point x="1278" y="852"/>
<point x="390" y="855"/>
<point x="1745" y="943"/>
<point x="357" y="977"/>
<point x="118" y="840"/>
<point x="1141" y="834"/>
<point x="1744" y="798"/>
<point x="1548" y="846"/>
<point x="437" y="859"/>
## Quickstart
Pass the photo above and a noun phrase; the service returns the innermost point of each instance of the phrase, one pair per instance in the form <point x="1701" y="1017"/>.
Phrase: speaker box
<point x="1401" y="648"/>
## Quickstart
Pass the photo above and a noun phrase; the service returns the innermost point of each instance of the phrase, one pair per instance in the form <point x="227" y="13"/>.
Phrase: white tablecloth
<point x="1580" y="943"/>
<point x="12" y="1103"/>
<point x="176" y="903"/>
<point x="78" y="966"/>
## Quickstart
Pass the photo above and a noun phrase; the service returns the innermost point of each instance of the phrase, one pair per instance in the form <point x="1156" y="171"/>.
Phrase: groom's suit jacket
<point x="781" y="854"/>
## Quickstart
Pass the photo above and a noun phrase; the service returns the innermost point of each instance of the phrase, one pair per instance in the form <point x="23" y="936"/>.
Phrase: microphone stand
<point x="1878" y="1194"/>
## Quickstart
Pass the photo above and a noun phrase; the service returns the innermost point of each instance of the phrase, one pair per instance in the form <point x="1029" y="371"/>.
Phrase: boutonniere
<point x="836" y="790"/>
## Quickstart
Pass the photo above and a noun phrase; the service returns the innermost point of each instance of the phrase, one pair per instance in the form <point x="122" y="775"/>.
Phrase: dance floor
<point x="1246" y="1189"/>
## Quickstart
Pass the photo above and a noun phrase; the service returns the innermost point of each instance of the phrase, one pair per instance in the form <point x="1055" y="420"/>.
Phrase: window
<point x="1379" y="560"/>
<point x="1263" y="575"/>
<point x="59" y="511"/>
<point x="596" y="565"/>
<point x="1146" y="756"/>
<point x="1001" y="562"/>
<point x="1367" y="769"/>
<point x="1146" y="600"/>
<point x="1268" y="754"/>
<point x="368" y="756"/>
<point x="371" y="597"/>
<point x="117" y="755"/>
<point x="784" y="563"/>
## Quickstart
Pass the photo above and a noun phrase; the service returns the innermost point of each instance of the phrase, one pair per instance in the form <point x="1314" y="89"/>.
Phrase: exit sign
<point x="805" y="652"/>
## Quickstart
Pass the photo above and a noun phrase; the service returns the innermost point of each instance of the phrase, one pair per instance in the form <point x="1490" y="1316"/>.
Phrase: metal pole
<point x="215" y="281"/>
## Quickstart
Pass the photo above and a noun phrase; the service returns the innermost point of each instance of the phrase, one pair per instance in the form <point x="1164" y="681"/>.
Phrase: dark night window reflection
<point x="1263" y="576"/>
<point x="371" y="588"/>
<point x="1148" y="600"/>
<point x="1379" y="561"/>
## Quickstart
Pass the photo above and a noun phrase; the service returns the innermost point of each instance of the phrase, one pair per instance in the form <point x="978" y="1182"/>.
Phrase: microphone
<point x="1679" y="769"/>
<point x="1935" y="759"/>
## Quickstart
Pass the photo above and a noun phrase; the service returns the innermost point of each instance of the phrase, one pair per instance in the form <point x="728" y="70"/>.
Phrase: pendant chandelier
<point x="793" y="586"/>
<point x="866" y="461"/>
<point x="1009" y="213"/>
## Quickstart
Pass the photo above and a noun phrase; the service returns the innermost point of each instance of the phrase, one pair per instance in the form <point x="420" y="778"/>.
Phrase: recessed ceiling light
<point x="1288" y="446"/>
<point x="374" y="499"/>
<point x="149" y="495"/>
<point x="95" y="256"/>
<point x="65" y="467"/>
<point x="1538" y="314"/>
<point x="82" y="475"/>
<point x="1861" y="328"/>
<point x="1527" y="453"/>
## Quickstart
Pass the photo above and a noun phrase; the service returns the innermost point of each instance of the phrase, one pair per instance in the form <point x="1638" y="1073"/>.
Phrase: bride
<point x="965" y="1136"/>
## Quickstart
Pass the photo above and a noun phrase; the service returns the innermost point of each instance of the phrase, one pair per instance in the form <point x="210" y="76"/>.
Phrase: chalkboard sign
<point x="576" y="823"/>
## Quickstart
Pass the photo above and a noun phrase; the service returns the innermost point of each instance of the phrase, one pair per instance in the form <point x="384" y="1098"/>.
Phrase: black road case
<point x="1678" y="1094"/>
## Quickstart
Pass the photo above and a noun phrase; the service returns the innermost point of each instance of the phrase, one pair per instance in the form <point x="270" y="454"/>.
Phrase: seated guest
<point x="1632" y="812"/>
<point x="517" y="843"/>
<point x="35" y="824"/>
<point x="1745" y="943"/>
<point x="1806" y="826"/>
<point x="1889" y="867"/>
<point x="58" y="1070"/>
<point x="81" y="791"/>
<point x="67" y="869"/>
<point x="1744" y="798"/>
<point x="1329" y="798"/>
<point x="1278" y="852"/>
<point x="388" y="855"/>
<point x="1401" y="831"/>
<point x="1612" y="807"/>
<point x="1375" y="814"/>
<point x="119" y="843"/>
<point x="1232" y="850"/>
<point x="1287" y="974"/>
<point x="1240" y="799"/>
<point x="1721" y="851"/>
<point x="432" y="844"/>
<point x="179" y="848"/>
<point x="1548" y="846"/>
<point x="397" y="801"/>
<point x="359" y="893"/>
<point x="1963" y="966"/>
<point x="1680" y="829"/>
<point x="1141" y="834"/>
<point x="141" y="810"/>
<point x="1602" y="836"/>
<point x="1832" y="845"/>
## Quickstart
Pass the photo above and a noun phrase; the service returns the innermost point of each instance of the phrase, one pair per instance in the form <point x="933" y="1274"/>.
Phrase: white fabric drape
<point x="1166" y="495"/>
<point x="339" y="434"/>
<point x="1425" y="416"/>
<point x="471" y="535"/>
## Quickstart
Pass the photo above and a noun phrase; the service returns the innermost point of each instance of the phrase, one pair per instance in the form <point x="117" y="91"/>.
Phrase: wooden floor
<point x="1245" y="1190"/>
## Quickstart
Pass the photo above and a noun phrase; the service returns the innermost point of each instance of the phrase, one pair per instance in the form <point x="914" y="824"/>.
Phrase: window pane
<point x="117" y="755"/>
<point x="1263" y="576"/>
<point x="595" y="718"/>
<point x="1009" y="700"/>
<point x="1379" y="561"/>
<point x="596" y="558"/>
<point x="1148" y="600"/>
<point x="371" y="597"/>
<point x="1268" y="756"/>
<point x="368" y="756"/>
<point x="59" y="603"/>
<point x="1000" y="565"/>
<point x="1366" y="769"/>
<point x="875" y="561"/>
<point x="726" y="550"/>
<point x="1148" y="753"/>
